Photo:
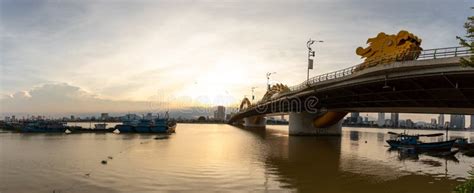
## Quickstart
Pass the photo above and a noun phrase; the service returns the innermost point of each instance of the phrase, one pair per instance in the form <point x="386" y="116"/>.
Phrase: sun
<point x="215" y="85"/>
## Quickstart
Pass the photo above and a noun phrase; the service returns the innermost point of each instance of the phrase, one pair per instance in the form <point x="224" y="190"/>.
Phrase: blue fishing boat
<point x="159" y="126"/>
<point x="163" y="126"/>
<point x="43" y="126"/>
<point x="128" y="125"/>
<point x="148" y="125"/>
<point x="125" y="128"/>
<point x="403" y="140"/>
<point x="462" y="143"/>
<point x="143" y="126"/>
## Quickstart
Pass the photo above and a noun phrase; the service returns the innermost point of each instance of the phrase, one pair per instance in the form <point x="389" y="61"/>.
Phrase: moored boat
<point x="143" y="126"/>
<point x="412" y="141"/>
<point x="462" y="143"/>
<point x="43" y="126"/>
<point x="156" y="125"/>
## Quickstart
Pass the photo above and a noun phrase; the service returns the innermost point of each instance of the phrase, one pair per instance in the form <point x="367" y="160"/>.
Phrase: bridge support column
<point x="302" y="124"/>
<point x="255" y="122"/>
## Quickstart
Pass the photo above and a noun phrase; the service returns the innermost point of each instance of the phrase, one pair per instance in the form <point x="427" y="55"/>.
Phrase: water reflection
<point x="222" y="158"/>
<point x="415" y="156"/>
<point x="354" y="163"/>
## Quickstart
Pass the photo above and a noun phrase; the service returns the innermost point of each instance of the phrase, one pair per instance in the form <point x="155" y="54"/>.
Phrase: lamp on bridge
<point x="311" y="55"/>
<point x="253" y="96"/>
<point x="268" y="79"/>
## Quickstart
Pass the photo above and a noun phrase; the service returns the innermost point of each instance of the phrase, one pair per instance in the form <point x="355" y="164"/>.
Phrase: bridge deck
<point x="420" y="86"/>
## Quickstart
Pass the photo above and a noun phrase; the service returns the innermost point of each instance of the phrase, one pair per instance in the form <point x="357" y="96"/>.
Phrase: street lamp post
<point x="311" y="55"/>
<point x="268" y="79"/>
<point x="253" y="96"/>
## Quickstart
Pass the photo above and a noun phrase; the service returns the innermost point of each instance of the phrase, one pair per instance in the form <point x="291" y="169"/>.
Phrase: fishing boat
<point x="462" y="143"/>
<point x="403" y="140"/>
<point x="144" y="126"/>
<point x="127" y="126"/>
<point x="157" y="125"/>
<point x="43" y="126"/>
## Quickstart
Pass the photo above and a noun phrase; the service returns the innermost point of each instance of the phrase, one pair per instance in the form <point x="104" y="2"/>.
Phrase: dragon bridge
<point x="275" y="91"/>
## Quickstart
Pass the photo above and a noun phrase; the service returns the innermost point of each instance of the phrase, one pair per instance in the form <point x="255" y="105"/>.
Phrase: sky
<point x="116" y="55"/>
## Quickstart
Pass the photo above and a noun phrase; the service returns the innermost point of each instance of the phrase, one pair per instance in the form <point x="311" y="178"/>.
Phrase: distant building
<point x="354" y="117"/>
<point x="409" y="123"/>
<point x="381" y="120"/>
<point x="130" y="117"/>
<point x="433" y="123"/>
<point x="421" y="124"/>
<point x="457" y="122"/>
<point x="7" y="119"/>
<point x="441" y="123"/>
<point x="472" y="122"/>
<point x="104" y="116"/>
<point x="394" y="118"/>
<point x="402" y="123"/>
<point x="73" y="118"/>
<point x="219" y="114"/>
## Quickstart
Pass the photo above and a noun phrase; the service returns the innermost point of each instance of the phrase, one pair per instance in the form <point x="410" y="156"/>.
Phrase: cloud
<point x="129" y="51"/>
<point x="62" y="98"/>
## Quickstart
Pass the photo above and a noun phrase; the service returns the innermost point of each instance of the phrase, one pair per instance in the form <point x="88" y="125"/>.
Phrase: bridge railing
<point x="424" y="55"/>
<point x="444" y="53"/>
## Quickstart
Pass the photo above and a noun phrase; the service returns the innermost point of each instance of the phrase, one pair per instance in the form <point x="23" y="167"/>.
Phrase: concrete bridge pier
<point x="255" y="122"/>
<point x="302" y="124"/>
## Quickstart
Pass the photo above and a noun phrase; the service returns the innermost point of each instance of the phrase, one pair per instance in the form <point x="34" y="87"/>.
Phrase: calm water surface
<point x="222" y="158"/>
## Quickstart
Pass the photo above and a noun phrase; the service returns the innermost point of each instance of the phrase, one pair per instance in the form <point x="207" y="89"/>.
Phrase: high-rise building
<point x="441" y="121"/>
<point x="433" y="123"/>
<point x="472" y="122"/>
<point x="409" y="123"/>
<point x="457" y="121"/>
<point x="219" y="114"/>
<point x="354" y="117"/>
<point x="381" y="119"/>
<point x="394" y="118"/>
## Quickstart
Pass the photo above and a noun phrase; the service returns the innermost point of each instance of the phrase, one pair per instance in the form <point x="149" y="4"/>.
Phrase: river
<point x="223" y="158"/>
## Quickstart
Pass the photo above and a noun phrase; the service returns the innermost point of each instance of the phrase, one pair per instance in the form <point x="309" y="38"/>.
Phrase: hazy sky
<point x="118" y="55"/>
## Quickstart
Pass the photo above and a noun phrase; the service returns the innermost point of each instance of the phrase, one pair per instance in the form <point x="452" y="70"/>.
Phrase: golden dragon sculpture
<point x="388" y="48"/>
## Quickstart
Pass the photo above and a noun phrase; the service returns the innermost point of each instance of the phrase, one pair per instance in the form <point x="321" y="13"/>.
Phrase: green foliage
<point x="466" y="187"/>
<point x="468" y="42"/>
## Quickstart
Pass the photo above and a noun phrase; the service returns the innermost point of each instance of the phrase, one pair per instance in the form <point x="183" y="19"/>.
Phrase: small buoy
<point x="110" y="157"/>
<point x="88" y="174"/>
<point x="104" y="162"/>
<point x="68" y="131"/>
<point x="365" y="141"/>
<point x="116" y="131"/>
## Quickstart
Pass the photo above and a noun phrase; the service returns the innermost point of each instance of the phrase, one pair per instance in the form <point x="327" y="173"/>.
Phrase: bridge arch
<point x="244" y="104"/>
